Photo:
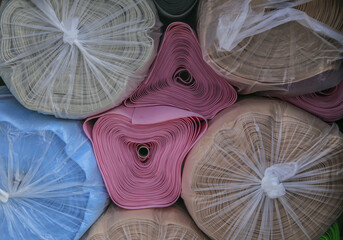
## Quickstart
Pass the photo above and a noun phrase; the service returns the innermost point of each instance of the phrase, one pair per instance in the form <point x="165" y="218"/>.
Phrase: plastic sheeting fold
<point x="328" y="104"/>
<point x="50" y="185"/>
<point x="265" y="169"/>
<point x="278" y="47"/>
<point x="140" y="152"/>
<point x="76" y="58"/>
<point x="179" y="77"/>
<point x="175" y="9"/>
<point x="145" y="224"/>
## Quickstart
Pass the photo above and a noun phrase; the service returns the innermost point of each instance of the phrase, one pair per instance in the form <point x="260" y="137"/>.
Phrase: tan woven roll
<point x="147" y="224"/>
<point x="265" y="170"/>
<point x="75" y="58"/>
<point x="283" y="48"/>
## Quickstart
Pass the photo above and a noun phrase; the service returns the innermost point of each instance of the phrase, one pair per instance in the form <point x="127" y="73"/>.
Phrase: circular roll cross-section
<point x="172" y="223"/>
<point x="175" y="9"/>
<point x="50" y="184"/>
<point x="180" y="77"/>
<point x="140" y="152"/>
<point x="265" y="169"/>
<point x="75" y="58"/>
<point x="327" y="104"/>
<point x="274" y="47"/>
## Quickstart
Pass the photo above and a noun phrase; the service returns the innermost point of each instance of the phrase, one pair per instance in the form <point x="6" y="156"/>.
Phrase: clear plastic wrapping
<point x="76" y="58"/>
<point x="265" y="169"/>
<point x="50" y="185"/>
<point x="327" y="104"/>
<point x="146" y="224"/>
<point x="277" y="47"/>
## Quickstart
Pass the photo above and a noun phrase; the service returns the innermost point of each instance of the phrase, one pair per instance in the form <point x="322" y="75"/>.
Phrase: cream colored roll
<point x="265" y="170"/>
<point x="277" y="47"/>
<point x="146" y="224"/>
<point x="76" y="58"/>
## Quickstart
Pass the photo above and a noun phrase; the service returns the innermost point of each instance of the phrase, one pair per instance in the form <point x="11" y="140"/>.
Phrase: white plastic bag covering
<point x="76" y="58"/>
<point x="265" y="170"/>
<point x="50" y="185"/>
<point x="279" y="46"/>
<point x="171" y="223"/>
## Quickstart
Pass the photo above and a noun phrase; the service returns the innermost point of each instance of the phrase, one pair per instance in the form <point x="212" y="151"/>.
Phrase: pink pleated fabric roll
<point x="181" y="78"/>
<point x="140" y="152"/>
<point x="328" y="105"/>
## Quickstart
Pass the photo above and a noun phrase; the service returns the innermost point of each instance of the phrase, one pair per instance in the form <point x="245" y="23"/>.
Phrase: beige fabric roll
<point x="150" y="224"/>
<point x="265" y="170"/>
<point x="276" y="47"/>
<point x="76" y="58"/>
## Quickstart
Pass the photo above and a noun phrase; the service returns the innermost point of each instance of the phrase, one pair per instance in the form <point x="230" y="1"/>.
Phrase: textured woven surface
<point x="224" y="174"/>
<point x="50" y="185"/>
<point x="146" y="224"/>
<point x="76" y="58"/>
<point x="277" y="48"/>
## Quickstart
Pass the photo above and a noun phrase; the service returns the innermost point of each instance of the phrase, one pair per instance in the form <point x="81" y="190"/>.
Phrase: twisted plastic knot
<point x="4" y="196"/>
<point x="274" y="176"/>
<point x="69" y="27"/>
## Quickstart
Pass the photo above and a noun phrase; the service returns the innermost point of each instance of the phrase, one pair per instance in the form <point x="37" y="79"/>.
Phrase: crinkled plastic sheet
<point x="327" y="104"/>
<point x="265" y="169"/>
<point x="180" y="77"/>
<point x="145" y="224"/>
<point x="175" y="9"/>
<point x="76" y="58"/>
<point x="50" y="185"/>
<point x="274" y="47"/>
<point x="140" y="152"/>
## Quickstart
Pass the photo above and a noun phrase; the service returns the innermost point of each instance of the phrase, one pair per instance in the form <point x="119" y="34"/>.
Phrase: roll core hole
<point x="143" y="151"/>
<point x="184" y="77"/>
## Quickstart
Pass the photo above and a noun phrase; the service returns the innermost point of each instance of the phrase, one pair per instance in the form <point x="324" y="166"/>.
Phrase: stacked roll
<point x="140" y="152"/>
<point x="265" y="170"/>
<point x="50" y="185"/>
<point x="328" y="104"/>
<point x="150" y="224"/>
<point x="175" y="9"/>
<point x="180" y="77"/>
<point x="274" y="47"/>
<point x="76" y="58"/>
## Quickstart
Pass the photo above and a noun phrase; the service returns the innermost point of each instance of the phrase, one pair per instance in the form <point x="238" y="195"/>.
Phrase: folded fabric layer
<point x="140" y="152"/>
<point x="181" y="78"/>
<point x="145" y="224"/>
<point x="50" y="185"/>
<point x="76" y="58"/>
<point x="265" y="169"/>
<point x="175" y="9"/>
<point x="332" y="234"/>
<point x="328" y="105"/>
<point x="276" y="47"/>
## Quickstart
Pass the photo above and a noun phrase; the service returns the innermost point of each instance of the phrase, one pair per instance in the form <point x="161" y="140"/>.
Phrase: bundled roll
<point x="275" y="47"/>
<point x="175" y="9"/>
<point x="50" y="185"/>
<point x="140" y="152"/>
<point x="180" y="77"/>
<point x="145" y="224"/>
<point x="76" y="58"/>
<point x="265" y="169"/>
<point x="332" y="234"/>
<point x="328" y="104"/>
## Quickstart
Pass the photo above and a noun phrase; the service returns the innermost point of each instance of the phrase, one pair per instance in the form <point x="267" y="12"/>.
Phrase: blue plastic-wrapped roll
<point x="50" y="185"/>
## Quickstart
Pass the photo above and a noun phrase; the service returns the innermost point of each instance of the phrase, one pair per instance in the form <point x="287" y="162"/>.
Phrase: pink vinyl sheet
<point x="140" y="152"/>
<point x="328" y="105"/>
<point x="180" y="77"/>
